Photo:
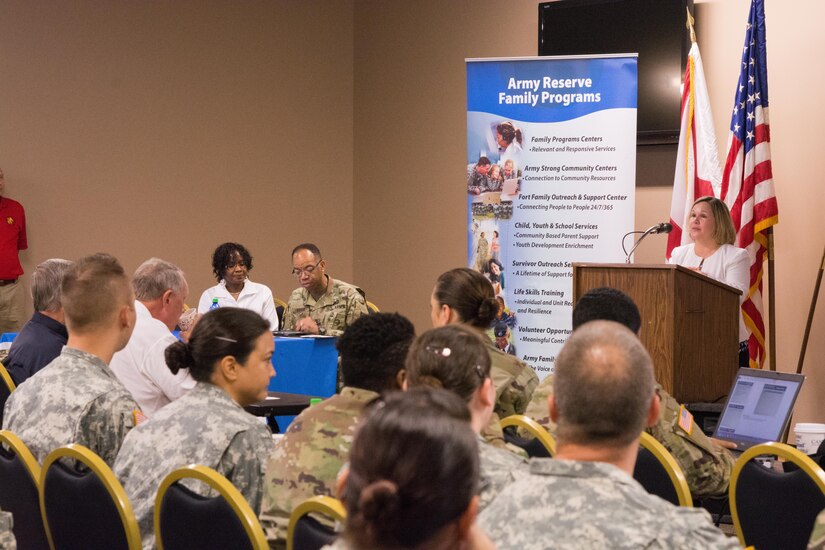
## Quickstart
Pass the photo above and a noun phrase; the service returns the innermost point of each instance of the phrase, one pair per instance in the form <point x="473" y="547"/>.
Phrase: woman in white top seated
<point x="231" y="264"/>
<point x="713" y="254"/>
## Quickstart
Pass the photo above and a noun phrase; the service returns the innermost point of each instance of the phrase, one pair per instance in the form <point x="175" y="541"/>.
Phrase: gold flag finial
<point x="689" y="25"/>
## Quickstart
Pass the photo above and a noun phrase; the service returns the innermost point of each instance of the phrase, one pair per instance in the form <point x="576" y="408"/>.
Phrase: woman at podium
<point x="712" y="253"/>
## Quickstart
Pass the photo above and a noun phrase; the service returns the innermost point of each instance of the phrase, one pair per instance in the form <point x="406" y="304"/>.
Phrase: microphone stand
<point x="655" y="229"/>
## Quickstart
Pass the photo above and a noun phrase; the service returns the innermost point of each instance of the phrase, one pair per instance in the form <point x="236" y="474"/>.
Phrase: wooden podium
<point x="690" y="323"/>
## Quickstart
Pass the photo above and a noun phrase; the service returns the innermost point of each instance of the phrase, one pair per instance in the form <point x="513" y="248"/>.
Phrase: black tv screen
<point x="655" y="29"/>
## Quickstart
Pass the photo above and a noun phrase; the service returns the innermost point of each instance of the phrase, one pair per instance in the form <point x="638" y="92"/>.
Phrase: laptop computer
<point x="758" y="407"/>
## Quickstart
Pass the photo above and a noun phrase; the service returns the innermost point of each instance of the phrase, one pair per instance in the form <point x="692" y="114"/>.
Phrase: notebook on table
<point x="758" y="407"/>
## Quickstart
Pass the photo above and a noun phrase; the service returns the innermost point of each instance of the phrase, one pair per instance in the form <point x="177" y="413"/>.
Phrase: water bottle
<point x="214" y="304"/>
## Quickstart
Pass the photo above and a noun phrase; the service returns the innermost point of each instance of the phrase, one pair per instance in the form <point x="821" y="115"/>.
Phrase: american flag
<point x="697" y="161"/>
<point x="747" y="180"/>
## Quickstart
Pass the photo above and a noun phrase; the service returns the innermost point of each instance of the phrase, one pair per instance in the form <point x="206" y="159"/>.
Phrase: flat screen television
<point x="655" y="29"/>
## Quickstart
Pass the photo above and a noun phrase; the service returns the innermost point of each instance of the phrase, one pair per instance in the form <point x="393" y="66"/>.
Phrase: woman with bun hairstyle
<point x="455" y="358"/>
<point x="413" y="477"/>
<point x="464" y="296"/>
<point x="228" y="355"/>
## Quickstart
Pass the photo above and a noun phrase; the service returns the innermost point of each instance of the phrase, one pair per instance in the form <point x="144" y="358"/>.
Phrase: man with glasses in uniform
<point x="322" y="305"/>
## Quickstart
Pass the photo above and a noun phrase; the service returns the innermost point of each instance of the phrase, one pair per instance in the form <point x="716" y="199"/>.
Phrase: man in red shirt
<point x="12" y="240"/>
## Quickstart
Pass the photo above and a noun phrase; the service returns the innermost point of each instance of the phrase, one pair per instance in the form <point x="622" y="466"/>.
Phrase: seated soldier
<point x="585" y="497"/>
<point x="455" y="358"/>
<point x="390" y="504"/>
<point x="77" y="398"/>
<point x="306" y="462"/>
<point x="321" y="305"/>
<point x="464" y="296"/>
<point x="706" y="465"/>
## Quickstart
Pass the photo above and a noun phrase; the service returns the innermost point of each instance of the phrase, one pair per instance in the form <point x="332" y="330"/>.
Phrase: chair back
<point x="659" y="473"/>
<point x="280" y="308"/>
<point x="773" y="509"/>
<point x="372" y="308"/>
<point x="7" y="386"/>
<point x="541" y="444"/>
<point x="19" y="477"/>
<point x="83" y="504"/>
<point x="185" y="520"/>
<point x="306" y="532"/>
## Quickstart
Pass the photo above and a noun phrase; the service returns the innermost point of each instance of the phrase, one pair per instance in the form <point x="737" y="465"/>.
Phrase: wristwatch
<point x="322" y="331"/>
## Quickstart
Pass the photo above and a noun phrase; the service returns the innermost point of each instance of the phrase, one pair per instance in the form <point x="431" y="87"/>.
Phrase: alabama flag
<point x="697" y="161"/>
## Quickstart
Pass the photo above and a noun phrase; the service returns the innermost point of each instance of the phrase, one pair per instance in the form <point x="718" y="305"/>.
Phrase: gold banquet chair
<point x="83" y="504"/>
<point x="306" y="532"/>
<point x="372" y="308"/>
<point x="773" y="509"/>
<point x="542" y="444"/>
<point x="186" y="520"/>
<point x="7" y="386"/>
<point x="659" y="473"/>
<point x="19" y="494"/>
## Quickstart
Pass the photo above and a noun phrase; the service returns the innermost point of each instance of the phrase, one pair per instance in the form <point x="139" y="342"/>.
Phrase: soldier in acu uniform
<point x="229" y="355"/>
<point x="76" y="398"/>
<point x="465" y="296"/>
<point x="7" y="541"/>
<point x="817" y="541"/>
<point x="322" y="305"/>
<point x="706" y="465"/>
<point x="585" y="496"/>
<point x="412" y="477"/>
<point x="455" y="358"/>
<point x="306" y="462"/>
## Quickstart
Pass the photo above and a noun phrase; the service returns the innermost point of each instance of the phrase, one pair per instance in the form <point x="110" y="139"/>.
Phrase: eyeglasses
<point x="308" y="269"/>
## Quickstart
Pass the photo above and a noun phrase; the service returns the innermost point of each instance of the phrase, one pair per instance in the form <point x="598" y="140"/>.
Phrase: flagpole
<point x="689" y="25"/>
<point x="771" y="302"/>
<point x="811" y="315"/>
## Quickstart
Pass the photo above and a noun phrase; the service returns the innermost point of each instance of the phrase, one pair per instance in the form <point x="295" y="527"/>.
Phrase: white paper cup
<point x="809" y="436"/>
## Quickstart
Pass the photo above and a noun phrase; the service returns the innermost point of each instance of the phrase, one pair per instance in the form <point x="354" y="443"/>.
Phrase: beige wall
<point x="165" y="128"/>
<point x="162" y="128"/>
<point x="410" y="132"/>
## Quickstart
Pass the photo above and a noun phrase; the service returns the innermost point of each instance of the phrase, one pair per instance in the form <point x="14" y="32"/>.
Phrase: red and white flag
<point x="697" y="161"/>
<point x="747" y="181"/>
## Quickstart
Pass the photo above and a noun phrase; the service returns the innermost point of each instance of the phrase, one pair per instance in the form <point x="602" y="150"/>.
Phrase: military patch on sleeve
<point x="685" y="419"/>
<point x="139" y="417"/>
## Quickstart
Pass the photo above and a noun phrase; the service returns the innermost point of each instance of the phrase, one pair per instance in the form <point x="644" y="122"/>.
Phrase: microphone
<point x="663" y="227"/>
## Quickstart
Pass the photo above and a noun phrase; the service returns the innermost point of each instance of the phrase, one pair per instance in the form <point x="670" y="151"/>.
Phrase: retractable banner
<point x="551" y="153"/>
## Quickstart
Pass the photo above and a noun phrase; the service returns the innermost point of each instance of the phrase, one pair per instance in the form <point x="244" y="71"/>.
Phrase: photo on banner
<point x="551" y="169"/>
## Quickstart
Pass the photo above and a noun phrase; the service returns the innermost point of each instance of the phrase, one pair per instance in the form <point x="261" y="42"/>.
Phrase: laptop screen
<point x="759" y="407"/>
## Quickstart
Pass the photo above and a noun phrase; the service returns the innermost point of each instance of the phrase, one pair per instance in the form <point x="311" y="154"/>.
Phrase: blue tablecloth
<point x="8" y="337"/>
<point x="306" y="365"/>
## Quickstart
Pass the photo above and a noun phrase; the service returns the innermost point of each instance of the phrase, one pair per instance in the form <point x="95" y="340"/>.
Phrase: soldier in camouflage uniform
<point x="465" y="296"/>
<point x="77" y="398"/>
<point x="229" y="356"/>
<point x="322" y="305"/>
<point x="306" y="462"/>
<point x="7" y="541"/>
<point x="817" y="541"/>
<point x="455" y="357"/>
<point x="412" y="476"/>
<point x="706" y="465"/>
<point x="514" y="381"/>
<point x="586" y="497"/>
